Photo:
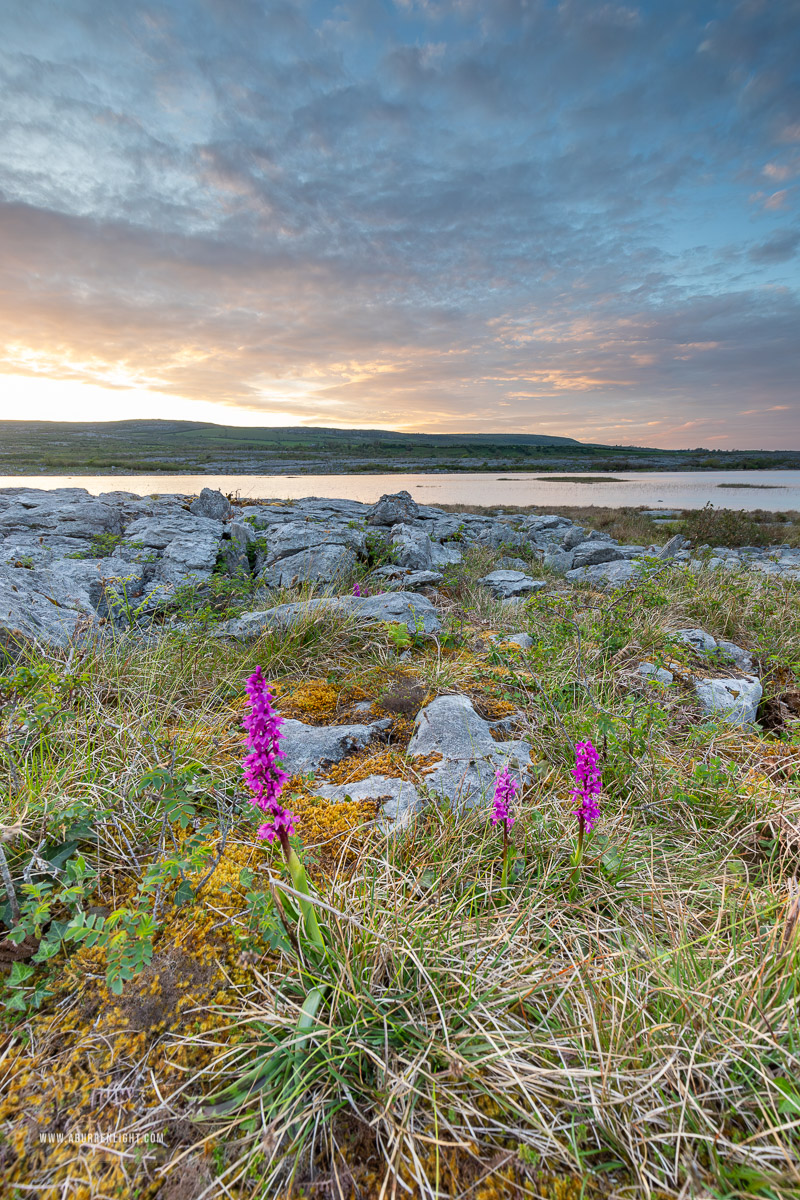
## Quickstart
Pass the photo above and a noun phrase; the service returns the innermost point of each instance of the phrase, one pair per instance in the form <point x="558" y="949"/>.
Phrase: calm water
<point x="774" y="490"/>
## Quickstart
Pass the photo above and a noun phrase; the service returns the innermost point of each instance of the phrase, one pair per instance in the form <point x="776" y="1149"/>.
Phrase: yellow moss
<point x="312" y="700"/>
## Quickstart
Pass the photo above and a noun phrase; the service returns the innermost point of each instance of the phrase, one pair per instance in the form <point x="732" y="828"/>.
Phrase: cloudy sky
<point x="569" y="217"/>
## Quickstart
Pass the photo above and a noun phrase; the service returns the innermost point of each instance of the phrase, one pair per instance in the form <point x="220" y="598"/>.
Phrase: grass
<point x="715" y="526"/>
<point x="636" y="1036"/>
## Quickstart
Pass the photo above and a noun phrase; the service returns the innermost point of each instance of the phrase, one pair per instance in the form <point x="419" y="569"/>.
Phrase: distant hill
<point x="198" y="447"/>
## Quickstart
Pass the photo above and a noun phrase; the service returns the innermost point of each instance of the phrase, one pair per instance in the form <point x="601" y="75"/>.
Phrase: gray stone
<point x="546" y="521"/>
<point x="698" y="639"/>
<point x="405" y="608"/>
<point x="41" y="607"/>
<point x="606" y="574"/>
<point x="559" y="561"/>
<point x="450" y="726"/>
<point x="156" y="533"/>
<point x="408" y="608"/>
<point x="400" y="801"/>
<point x="734" y="700"/>
<point x="670" y="548"/>
<point x="306" y="748"/>
<point x="294" y="537"/>
<point x="573" y="537"/>
<point x="413" y="548"/>
<point x="650" y="671"/>
<point x="466" y="774"/>
<point x="401" y="577"/>
<point x="507" y="563"/>
<point x="445" y="556"/>
<point x="211" y="504"/>
<point x="393" y="509"/>
<point x="234" y="547"/>
<point x="523" y="640"/>
<point x="322" y="564"/>
<point x="189" y="559"/>
<point x="592" y="552"/>
<point x="743" y="659"/>
<point x="497" y="534"/>
<point x="664" y="514"/>
<point x="506" y="584"/>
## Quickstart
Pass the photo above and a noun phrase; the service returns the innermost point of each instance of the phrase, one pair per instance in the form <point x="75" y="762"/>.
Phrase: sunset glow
<point x="573" y="219"/>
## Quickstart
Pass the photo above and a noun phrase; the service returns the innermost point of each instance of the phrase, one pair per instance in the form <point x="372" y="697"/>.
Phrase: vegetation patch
<point x="561" y="993"/>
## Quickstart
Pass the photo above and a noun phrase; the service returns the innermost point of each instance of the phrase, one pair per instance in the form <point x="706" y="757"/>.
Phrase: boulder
<point x="447" y="555"/>
<point x="211" y="504"/>
<point x="573" y="537"/>
<point x="395" y="576"/>
<point x="413" y="548"/>
<point x="505" y="584"/>
<point x="156" y="533"/>
<point x="466" y="773"/>
<point x="41" y="607"/>
<point x="393" y="509"/>
<point x="546" y="521"/>
<point x="734" y="700"/>
<point x="605" y="574"/>
<point x="592" y="552"/>
<point x="651" y="671"/>
<point x="295" y="537"/>
<point x="672" y="547"/>
<point x="399" y="800"/>
<point x="189" y="559"/>
<point x="498" y="534"/>
<point x="408" y="608"/>
<point x="238" y="536"/>
<point x="698" y="639"/>
<point x="325" y="563"/>
<point x="523" y="640"/>
<point x="704" y="643"/>
<point x="559" y="561"/>
<point x="507" y="563"/>
<point x="308" y="748"/>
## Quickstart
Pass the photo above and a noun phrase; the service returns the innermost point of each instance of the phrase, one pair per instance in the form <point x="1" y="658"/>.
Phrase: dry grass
<point x="635" y="1037"/>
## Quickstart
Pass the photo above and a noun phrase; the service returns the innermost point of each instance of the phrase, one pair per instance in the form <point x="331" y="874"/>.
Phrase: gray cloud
<point x="442" y="215"/>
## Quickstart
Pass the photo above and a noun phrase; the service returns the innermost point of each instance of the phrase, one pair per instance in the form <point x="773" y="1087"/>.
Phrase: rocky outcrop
<point x="506" y="584"/>
<point x="470" y="757"/>
<point x="416" y="612"/>
<point x="308" y="748"/>
<point x="393" y="510"/>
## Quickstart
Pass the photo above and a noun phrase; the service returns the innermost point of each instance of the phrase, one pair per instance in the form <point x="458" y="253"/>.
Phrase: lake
<point x="773" y="490"/>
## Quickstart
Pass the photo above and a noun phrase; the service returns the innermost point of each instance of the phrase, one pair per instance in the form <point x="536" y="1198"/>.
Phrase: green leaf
<point x="791" y="1097"/>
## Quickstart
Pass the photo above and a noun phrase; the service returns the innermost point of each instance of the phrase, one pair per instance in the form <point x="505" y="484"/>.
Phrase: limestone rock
<point x="465" y="776"/>
<point x="672" y="547"/>
<point x="593" y="552"/>
<point x="559" y="561"/>
<point x="41" y="607"/>
<point x="296" y="537"/>
<point x="408" y="608"/>
<point x="413" y="547"/>
<point x="325" y="563"/>
<point x="506" y="584"/>
<point x="735" y="700"/>
<point x="393" y="509"/>
<point x="650" y="671"/>
<point x="211" y="504"/>
<point x="400" y="801"/>
<point x="605" y="574"/>
<point x="156" y="533"/>
<point x="307" y="748"/>
<point x="445" y="555"/>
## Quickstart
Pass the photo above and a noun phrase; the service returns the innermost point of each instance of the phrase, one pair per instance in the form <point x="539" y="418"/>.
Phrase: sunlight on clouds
<point x="40" y="398"/>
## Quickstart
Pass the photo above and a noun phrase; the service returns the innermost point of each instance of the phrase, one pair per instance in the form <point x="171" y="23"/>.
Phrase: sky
<point x="575" y="218"/>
